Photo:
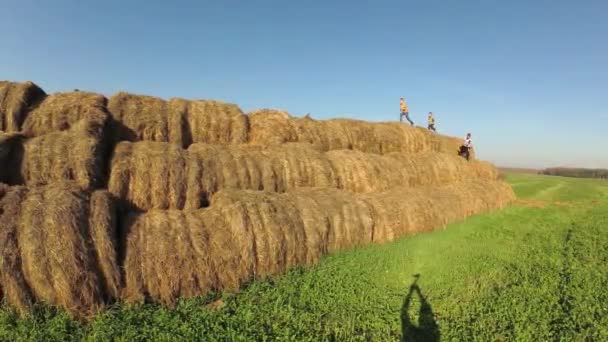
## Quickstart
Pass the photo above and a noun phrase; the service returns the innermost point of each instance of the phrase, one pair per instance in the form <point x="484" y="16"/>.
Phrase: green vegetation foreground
<point x="535" y="271"/>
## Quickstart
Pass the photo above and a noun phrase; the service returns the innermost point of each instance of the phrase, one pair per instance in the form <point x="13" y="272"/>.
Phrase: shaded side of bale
<point x="61" y="111"/>
<point x="103" y="225"/>
<point x="16" y="100"/>
<point x="73" y="155"/>
<point x="15" y="289"/>
<point x="11" y="154"/>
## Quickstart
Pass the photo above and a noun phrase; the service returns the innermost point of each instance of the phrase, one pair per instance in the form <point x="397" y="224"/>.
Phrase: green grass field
<point x="535" y="271"/>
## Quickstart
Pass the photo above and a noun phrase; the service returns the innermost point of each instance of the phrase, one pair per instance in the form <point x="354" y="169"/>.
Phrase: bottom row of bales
<point x="71" y="248"/>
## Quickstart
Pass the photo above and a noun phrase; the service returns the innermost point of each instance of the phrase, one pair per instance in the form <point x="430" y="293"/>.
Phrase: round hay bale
<point x="58" y="248"/>
<point x="211" y="122"/>
<point x="73" y="155"/>
<point x="16" y="100"/>
<point x="138" y="117"/>
<point x="61" y="111"/>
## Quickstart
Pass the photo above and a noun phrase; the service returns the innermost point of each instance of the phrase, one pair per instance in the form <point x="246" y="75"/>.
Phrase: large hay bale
<point x="163" y="176"/>
<point x="57" y="248"/>
<point x="269" y="126"/>
<point x="150" y="175"/>
<point x="211" y="122"/>
<point x="59" y="112"/>
<point x="73" y="155"/>
<point x="247" y="234"/>
<point x="146" y="118"/>
<point x="16" y="100"/>
<point x="15" y="289"/>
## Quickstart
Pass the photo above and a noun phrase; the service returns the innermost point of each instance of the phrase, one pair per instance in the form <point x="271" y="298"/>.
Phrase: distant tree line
<point x="575" y="172"/>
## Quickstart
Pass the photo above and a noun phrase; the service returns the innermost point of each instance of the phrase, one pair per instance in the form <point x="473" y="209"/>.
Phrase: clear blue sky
<point x="529" y="79"/>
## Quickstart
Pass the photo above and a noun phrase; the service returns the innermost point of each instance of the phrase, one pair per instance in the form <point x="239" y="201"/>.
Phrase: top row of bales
<point x="27" y="109"/>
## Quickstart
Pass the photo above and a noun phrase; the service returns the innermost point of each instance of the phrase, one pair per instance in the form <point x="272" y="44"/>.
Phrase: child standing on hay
<point x="404" y="111"/>
<point x="431" y="121"/>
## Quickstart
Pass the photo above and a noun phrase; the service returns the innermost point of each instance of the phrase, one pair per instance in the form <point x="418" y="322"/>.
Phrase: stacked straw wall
<point x="153" y="175"/>
<point x="209" y="198"/>
<point x="248" y="235"/>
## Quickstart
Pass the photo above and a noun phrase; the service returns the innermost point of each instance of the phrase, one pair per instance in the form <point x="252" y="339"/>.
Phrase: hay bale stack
<point x="16" y="100"/>
<point x="153" y="175"/>
<point x="146" y="118"/>
<point x="269" y="127"/>
<point x="247" y="234"/>
<point x="59" y="112"/>
<point x="57" y="247"/>
<point x="408" y="211"/>
<point x="73" y="155"/>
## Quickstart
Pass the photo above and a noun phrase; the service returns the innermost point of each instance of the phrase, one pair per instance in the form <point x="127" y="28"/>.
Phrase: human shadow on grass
<point x="426" y="329"/>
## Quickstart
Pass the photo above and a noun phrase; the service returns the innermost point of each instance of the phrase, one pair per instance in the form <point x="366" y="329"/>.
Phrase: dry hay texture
<point x="16" y="100"/>
<point x="269" y="126"/>
<point x="57" y="247"/>
<point x="73" y="155"/>
<point x="152" y="175"/>
<point x="201" y="196"/>
<point x="61" y="111"/>
<point x="177" y="121"/>
<point x="248" y="235"/>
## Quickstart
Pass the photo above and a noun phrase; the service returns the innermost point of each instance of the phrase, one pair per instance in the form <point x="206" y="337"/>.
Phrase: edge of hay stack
<point x="57" y="248"/>
<point x="16" y="100"/>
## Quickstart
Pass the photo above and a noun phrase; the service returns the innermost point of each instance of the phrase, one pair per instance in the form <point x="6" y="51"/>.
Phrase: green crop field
<point x="536" y="271"/>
